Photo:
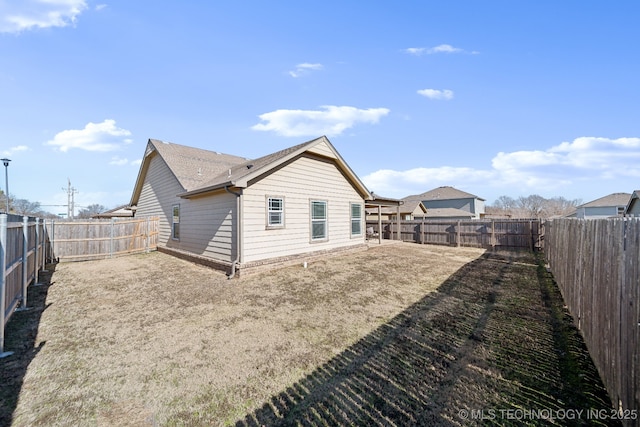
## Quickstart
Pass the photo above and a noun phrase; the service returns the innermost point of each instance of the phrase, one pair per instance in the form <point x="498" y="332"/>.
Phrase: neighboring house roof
<point x="632" y="200"/>
<point x="406" y="207"/>
<point x="412" y="203"/>
<point x="447" y="213"/>
<point x="445" y="193"/>
<point x="120" y="211"/>
<point x="615" y="199"/>
<point x="202" y="171"/>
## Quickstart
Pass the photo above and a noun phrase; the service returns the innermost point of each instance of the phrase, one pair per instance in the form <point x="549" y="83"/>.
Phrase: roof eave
<point x="210" y="189"/>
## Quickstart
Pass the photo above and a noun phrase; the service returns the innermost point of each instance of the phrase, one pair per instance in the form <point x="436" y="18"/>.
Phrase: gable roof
<point x="632" y="200"/>
<point x="240" y="175"/>
<point x="445" y="193"/>
<point x="189" y="165"/>
<point x="615" y="199"/>
<point x="202" y="171"/>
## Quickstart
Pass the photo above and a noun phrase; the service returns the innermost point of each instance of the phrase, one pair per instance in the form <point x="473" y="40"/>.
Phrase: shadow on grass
<point x="20" y="337"/>
<point x="491" y="343"/>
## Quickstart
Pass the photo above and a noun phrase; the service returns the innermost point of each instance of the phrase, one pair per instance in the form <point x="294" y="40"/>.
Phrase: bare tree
<point x="559" y="206"/>
<point x="25" y="207"/>
<point x="91" y="210"/>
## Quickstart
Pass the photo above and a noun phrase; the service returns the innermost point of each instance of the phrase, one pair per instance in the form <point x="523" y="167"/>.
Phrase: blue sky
<point x="491" y="97"/>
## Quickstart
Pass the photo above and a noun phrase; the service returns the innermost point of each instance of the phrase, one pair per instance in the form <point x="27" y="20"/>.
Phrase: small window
<point x="175" y="223"/>
<point x="318" y="220"/>
<point x="356" y="219"/>
<point x="275" y="212"/>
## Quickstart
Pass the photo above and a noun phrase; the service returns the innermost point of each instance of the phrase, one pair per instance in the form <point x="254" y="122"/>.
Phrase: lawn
<point x="400" y="334"/>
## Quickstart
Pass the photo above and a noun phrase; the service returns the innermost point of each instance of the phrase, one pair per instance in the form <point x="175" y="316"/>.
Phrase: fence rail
<point x="596" y="264"/>
<point x="88" y="240"/>
<point x="22" y="255"/>
<point x="527" y="233"/>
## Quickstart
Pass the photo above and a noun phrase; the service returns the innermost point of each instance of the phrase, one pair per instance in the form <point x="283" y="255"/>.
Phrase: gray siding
<point x="597" y="212"/>
<point x="158" y="195"/>
<point x="462" y="204"/>
<point x="299" y="182"/>
<point x="634" y="209"/>
<point x="206" y="225"/>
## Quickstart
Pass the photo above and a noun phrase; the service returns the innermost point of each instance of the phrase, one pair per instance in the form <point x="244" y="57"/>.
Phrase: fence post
<point x="146" y="237"/>
<point x="25" y="263"/>
<point x="493" y="235"/>
<point x="52" y="239"/>
<point x="3" y="282"/>
<point x="111" y="239"/>
<point x="458" y="234"/>
<point x="36" y="253"/>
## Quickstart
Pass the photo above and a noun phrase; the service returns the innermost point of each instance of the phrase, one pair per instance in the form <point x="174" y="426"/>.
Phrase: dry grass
<point x="403" y="333"/>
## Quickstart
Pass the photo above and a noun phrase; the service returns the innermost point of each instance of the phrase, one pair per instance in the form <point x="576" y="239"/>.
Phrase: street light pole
<point x="6" y="180"/>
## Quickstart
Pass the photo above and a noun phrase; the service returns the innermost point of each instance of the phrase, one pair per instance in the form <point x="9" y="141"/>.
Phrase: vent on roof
<point x="249" y="166"/>
<point x="229" y="176"/>
<point x="199" y="171"/>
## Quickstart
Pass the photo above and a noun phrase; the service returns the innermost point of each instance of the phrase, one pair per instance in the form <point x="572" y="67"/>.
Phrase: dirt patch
<point x="398" y="335"/>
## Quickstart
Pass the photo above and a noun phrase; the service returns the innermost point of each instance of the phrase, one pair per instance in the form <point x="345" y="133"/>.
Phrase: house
<point x="605" y="207"/>
<point x="633" y="206"/>
<point x="464" y="205"/>
<point x="234" y="213"/>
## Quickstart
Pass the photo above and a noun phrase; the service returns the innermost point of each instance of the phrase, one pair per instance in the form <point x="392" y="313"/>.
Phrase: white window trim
<point x="352" y="219"/>
<point x="268" y="210"/>
<point x="174" y="223"/>
<point x="326" y="221"/>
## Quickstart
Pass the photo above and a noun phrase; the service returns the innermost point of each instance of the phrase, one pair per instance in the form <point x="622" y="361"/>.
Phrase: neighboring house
<point x="119" y="212"/>
<point x="605" y="207"/>
<point x="231" y="212"/>
<point x="633" y="206"/>
<point x="451" y="198"/>
<point x="408" y="210"/>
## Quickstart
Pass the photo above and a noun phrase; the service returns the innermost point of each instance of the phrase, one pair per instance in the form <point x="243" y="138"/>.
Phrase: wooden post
<point x="422" y="231"/>
<point x="493" y="235"/>
<point x="459" y="235"/>
<point x="3" y="282"/>
<point x="380" y="224"/>
<point x="25" y="263"/>
<point x="398" y="222"/>
<point x="146" y="237"/>
<point x="111" y="238"/>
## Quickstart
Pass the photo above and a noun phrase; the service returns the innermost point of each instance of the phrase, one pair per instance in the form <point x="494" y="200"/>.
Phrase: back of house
<point x="233" y="212"/>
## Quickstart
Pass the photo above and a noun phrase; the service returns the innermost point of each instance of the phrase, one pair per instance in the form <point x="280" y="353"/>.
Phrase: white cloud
<point x="442" y="48"/>
<point x="101" y="6"/>
<point x="117" y="161"/>
<point x="105" y="136"/>
<point x="304" y="68"/>
<point x="330" y="120"/>
<point x="582" y="160"/>
<point x="21" y="15"/>
<point x="445" y="94"/>
<point x="13" y="150"/>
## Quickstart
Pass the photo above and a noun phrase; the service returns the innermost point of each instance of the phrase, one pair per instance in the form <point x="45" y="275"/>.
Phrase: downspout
<point x="238" y="234"/>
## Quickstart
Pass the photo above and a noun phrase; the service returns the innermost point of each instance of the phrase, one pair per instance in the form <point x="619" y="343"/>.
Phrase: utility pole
<point x="70" y="199"/>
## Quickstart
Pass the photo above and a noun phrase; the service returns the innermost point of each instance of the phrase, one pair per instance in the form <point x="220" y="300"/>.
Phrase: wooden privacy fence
<point x="515" y="233"/>
<point x="22" y="256"/>
<point x="596" y="264"/>
<point x="87" y="240"/>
